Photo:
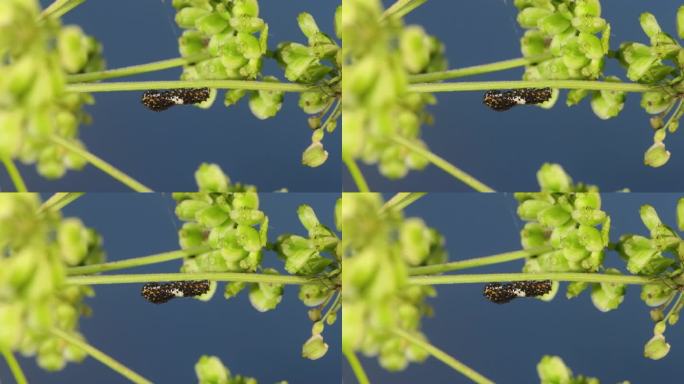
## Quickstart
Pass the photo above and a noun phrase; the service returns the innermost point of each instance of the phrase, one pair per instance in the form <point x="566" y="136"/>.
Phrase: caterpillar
<point x="505" y="100"/>
<point x="162" y="100"/>
<point x="503" y="293"/>
<point x="159" y="293"/>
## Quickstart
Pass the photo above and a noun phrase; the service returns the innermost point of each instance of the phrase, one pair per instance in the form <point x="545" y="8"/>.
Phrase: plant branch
<point x="331" y="308"/>
<point x="14" y="174"/>
<point x="443" y="165"/>
<point x="401" y="200"/>
<point x="477" y="69"/>
<point x="137" y="261"/>
<point x="478" y="262"/>
<point x="356" y="173"/>
<point x="401" y="8"/>
<point x="101" y="357"/>
<point x="176" y="84"/>
<point x="444" y="357"/>
<point x="135" y="69"/>
<point x="59" y="8"/>
<point x="14" y="366"/>
<point x="101" y="165"/>
<point x="356" y="366"/>
<point x="213" y="276"/>
<point x="554" y="276"/>
<point x="59" y="200"/>
<point x="559" y="84"/>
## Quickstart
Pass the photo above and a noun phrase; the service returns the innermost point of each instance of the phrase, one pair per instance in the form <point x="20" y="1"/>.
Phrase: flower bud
<point x="315" y="155"/>
<point x="210" y="178"/>
<point x="552" y="369"/>
<point x="656" y="348"/>
<point x="209" y="369"/>
<point x="656" y="156"/>
<point x="552" y="178"/>
<point x="314" y="348"/>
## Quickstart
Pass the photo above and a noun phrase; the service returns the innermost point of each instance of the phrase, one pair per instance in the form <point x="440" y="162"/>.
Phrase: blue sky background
<point x="163" y="150"/>
<point x="505" y="342"/>
<point x="163" y="342"/>
<point x="505" y="150"/>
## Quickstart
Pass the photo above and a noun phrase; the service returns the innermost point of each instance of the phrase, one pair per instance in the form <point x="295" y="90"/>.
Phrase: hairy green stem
<point x="14" y="366"/>
<point x="356" y="173"/>
<point x="59" y="200"/>
<point x="444" y="357"/>
<point x="137" y="261"/>
<point x="14" y="174"/>
<point x="136" y="69"/>
<point x="478" y="261"/>
<point x="356" y="366"/>
<point x="213" y="276"/>
<point x="101" y="357"/>
<point x="101" y="165"/>
<point x="401" y="200"/>
<point x="401" y="8"/>
<point x="559" y="84"/>
<point x="176" y="84"/>
<point x="60" y="8"/>
<point x="477" y="69"/>
<point x="554" y="276"/>
<point x="444" y="165"/>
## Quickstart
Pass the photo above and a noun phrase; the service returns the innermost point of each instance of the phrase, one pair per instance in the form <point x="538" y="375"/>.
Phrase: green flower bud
<point x="680" y="213"/>
<point x="187" y="209"/>
<point x="307" y="24"/>
<point x="233" y="288"/>
<point x="210" y="178"/>
<point x="314" y="348"/>
<point x="530" y="209"/>
<point x="638" y="68"/>
<point x="588" y="216"/>
<point x="313" y="294"/>
<point x="414" y="237"/>
<point x="673" y="319"/>
<point x="246" y="8"/>
<point x="307" y="217"/>
<point x="265" y="296"/>
<point x="659" y="328"/>
<point x="607" y="104"/>
<point x="530" y="17"/>
<point x="248" y="200"/>
<point x="190" y="235"/>
<point x="575" y="288"/>
<point x="649" y="217"/>
<point x="72" y="237"/>
<point x="248" y="238"/>
<point x="212" y="216"/>
<point x="533" y="235"/>
<point x="12" y="328"/>
<point x="655" y="294"/>
<point x="72" y="46"/>
<point x="554" y="216"/>
<point x="314" y="314"/>
<point x="649" y="24"/>
<point x="680" y="21"/>
<point x="233" y="96"/>
<point x="655" y="102"/>
<point x="589" y="24"/>
<point x="247" y="216"/>
<point x="608" y="296"/>
<point x="211" y="24"/>
<point x="187" y="17"/>
<point x="554" y="24"/>
<point x="656" y="156"/>
<point x="265" y="104"/>
<point x="552" y="369"/>
<point x="656" y="314"/>
<point x="210" y="370"/>
<point x="656" y="348"/>
<point x="414" y="45"/>
<point x="315" y="155"/>
<point x="317" y="328"/>
<point x="552" y="178"/>
<point x="312" y="101"/>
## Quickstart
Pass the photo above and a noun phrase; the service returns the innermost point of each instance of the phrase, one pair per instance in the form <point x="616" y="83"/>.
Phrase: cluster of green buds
<point x="317" y="64"/>
<point x="378" y="249"/>
<point x="552" y="370"/>
<point x="315" y="256"/>
<point x="379" y="54"/>
<point x="659" y="63"/>
<point x="37" y="248"/>
<point x="210" y="370"/>
<point x="569" y="219"/>
<point x="577" y="39"/>
<point x="657" y="256"/>
<point x="36" y="55"/>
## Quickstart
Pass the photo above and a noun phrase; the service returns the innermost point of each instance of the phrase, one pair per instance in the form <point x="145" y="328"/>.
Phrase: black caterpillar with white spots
<point x="503" y="293"/>
<point x="163" y="100"/>
<point x="159" y="293"/>
<point x="505" y="100"/>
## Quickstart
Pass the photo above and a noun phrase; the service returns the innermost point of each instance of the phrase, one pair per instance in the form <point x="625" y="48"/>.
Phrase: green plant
<point x="391" y="82"/>
<point x="50" y="264"/>
<point x="392" y="263"/>
<point x="49" y="72"/>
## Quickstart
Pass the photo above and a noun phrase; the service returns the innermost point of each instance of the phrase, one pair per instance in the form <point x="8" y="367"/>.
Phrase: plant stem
<point x="477" y="69"/>
<point x="554" y="276"/>
<point x="59" y="8"/>
<point x="331" y="308"/>
<point x="674" y="308"/>
<point x="59" y="200"/>
<point x="401" y="8"/>
<point x="176" y="84"/>
<point x="444" y="165"/>
<point x="355" y="172"/>
<point x="401" y="200"/>
<point x="136" y="261"/>
<point x="560" y="84"/>
<point x="444" y="357"/>
<point x="14" y="174"/>
<point x="213" y="276"/>
<point x="478" y="261"/>
<point x="101" y="357"/>
<point x="101" y="165"/>
<point x="14" y="366"/>
<point x="136" y="69"/>
<point x="356" y="366"/>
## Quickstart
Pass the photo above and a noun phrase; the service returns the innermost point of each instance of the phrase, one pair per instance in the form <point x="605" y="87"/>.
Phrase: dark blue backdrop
<point x="163" y="342"/>
<point x="505" y="342"/>
<point x="504" y="150"/>
<point x="163" y="150"/>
